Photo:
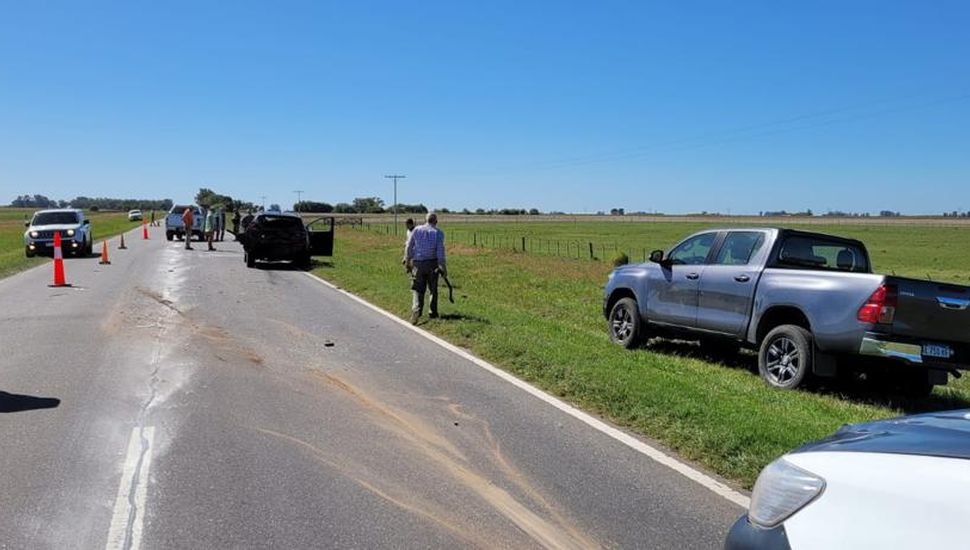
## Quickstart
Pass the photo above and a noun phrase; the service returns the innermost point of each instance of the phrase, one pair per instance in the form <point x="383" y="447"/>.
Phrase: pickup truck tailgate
<point x="932" y="311"/>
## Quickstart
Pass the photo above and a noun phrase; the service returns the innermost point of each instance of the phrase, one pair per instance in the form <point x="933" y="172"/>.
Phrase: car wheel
<point x="624" y="323"/>
<point x="304" y="262"/>
<point x="914" y="384"/>
<point x="169" y="235"/>
<point x="250" y="260"/>
<point x="29" y="252"/>
<point x="89" y="249"/>
<point x="785" y="357"/>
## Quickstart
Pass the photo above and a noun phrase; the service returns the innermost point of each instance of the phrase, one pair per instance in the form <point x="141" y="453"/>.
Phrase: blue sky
<point x="573" y="106"/>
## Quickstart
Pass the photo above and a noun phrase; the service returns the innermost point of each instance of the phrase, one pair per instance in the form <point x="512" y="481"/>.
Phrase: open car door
<point x="321" y="234"/>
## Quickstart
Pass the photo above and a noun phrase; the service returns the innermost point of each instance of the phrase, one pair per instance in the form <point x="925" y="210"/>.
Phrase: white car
<point x="898" y="483"/>
<point x="134" y="215"/>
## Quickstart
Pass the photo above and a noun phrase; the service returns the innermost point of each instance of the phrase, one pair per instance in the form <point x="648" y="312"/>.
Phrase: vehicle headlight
<point x="34" y="234"/>
<point x="70" y="232"/>
<point x="781" y="490"/>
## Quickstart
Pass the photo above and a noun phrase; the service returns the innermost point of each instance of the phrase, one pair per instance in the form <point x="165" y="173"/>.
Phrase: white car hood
<point x="54" y="227"/>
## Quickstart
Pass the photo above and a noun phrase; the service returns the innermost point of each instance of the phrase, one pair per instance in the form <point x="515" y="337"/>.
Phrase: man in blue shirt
<point x="425" y="255"/>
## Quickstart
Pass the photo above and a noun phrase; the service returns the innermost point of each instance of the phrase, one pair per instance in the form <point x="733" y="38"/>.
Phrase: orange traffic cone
<point x="144" y="231"/>
<point x="58" y="262"/>
<point x="122" y="245"/>
<point x="104" y="253"/>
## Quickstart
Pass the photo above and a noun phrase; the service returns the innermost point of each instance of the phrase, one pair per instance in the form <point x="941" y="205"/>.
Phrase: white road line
<point x="129" y="511"/>
<point x="653" y="453"/>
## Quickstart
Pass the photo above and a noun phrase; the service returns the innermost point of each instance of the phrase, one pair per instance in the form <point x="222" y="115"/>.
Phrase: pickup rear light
<point x="880" y="307"/>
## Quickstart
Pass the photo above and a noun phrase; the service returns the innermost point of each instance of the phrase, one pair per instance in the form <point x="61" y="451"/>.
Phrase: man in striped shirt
<point x="426" y="253"/>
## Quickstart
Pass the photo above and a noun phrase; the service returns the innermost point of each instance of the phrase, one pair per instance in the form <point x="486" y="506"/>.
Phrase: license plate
<point x="937" y="350"/>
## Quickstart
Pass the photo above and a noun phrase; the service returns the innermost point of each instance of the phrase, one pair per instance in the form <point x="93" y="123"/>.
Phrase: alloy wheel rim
<point x="783" y="361"/>
<point x="621" y="324"/>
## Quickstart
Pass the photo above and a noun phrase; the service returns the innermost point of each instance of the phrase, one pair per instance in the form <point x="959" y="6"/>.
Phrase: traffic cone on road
<point x="104" y="253"/>
<point x="58" y="262"/>
<point x="122" y="245"/>
<point x="144" y="231"/>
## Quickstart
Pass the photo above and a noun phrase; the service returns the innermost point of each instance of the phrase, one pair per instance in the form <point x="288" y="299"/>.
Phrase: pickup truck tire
<point x="169" y="235"/>
<point x="624" y="323"/>
<point x="250" y="259"/>
<point x="785" y="358"/>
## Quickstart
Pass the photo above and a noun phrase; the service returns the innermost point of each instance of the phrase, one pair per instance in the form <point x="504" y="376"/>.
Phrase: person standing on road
<point x="222" y="223"/>
<point x="235" y="224"/>
<point x="409" y="225"/>
<point x="209" y="227"/>
<point x="188" y="220"/>
<point x="425" y="256"/>
<point x="153" y="217"/>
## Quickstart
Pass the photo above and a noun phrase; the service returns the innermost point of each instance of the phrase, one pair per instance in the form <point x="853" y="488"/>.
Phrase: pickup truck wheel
<point x="785" y="357"/>
<point x="169" y="235"/>
<point x="250" y="260"/>
<point x="624" y="323"/>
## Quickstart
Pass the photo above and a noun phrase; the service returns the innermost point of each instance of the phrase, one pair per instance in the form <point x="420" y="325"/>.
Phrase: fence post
<point x="591" y="255"/>
<point x="474" y="239"/>
<point x="523" y="244"/>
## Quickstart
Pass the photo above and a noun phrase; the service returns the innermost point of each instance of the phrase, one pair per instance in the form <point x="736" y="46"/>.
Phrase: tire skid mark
<point x="359" y="475"/>
<point x="553" y="531"/>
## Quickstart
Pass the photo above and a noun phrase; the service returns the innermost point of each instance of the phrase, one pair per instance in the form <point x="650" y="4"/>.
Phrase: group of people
<point x="213" y="224"/>
<point x="424" y="260"/>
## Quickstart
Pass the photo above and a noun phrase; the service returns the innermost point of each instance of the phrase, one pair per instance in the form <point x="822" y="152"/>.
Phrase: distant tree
<point x="368" y="205"/>
<point x="466" y="211"/>
<point x="344" y="208"/>
<point x="274" y="207"/>
<point x="311" y="206"/>
<point x="534" y="211"/>
<point x="479" y="211"/>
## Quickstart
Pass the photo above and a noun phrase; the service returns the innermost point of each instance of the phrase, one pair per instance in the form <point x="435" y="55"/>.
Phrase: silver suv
<point x="75" y="230"/>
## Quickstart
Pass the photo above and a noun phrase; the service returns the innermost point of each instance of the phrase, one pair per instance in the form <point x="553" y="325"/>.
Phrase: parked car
<point x="899" y="483"/>
<point x="275" y="236"/>
<point x="175" y="227"/>
<point x="808" y="302"/>
<point x="75" y="230"/>
<point x="134" y="215"/>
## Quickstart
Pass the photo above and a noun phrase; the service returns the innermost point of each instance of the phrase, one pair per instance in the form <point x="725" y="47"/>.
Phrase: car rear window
<point x="280" y="222"/>
<point x="820" y="253"/>
<point x="54" y="218"/>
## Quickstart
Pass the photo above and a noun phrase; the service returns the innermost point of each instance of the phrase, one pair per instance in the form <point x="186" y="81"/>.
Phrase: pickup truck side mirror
<point x="657" y="256"/>
<point x="87" y="222"/>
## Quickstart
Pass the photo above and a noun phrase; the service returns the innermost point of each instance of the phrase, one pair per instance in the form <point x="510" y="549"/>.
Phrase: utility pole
<point x="299" y="195"/>
<point x="264" y="202"/>
<point x="395" y="178"/>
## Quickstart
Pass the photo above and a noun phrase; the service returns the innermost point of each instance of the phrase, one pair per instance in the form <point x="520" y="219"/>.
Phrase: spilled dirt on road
<point x="481" y="470"/>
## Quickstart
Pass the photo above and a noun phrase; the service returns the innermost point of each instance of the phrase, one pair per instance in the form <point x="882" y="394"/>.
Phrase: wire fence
<point x="563" y="248"/>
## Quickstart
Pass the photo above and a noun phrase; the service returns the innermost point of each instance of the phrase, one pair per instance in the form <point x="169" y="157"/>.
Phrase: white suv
<point x="74" y="228"/>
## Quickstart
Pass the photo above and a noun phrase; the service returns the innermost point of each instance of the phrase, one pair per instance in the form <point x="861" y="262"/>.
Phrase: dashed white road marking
<point x="651" y="452"/>
<point x="127" y="520"/>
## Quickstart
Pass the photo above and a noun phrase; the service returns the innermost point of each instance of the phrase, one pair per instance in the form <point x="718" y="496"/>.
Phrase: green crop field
<point x="539" y="316"/>
<point x="12" y="258"/>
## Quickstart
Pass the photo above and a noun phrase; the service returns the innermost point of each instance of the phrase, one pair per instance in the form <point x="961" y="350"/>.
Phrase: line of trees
<point x="208" y="198"/>
<point x="90" y="203"/>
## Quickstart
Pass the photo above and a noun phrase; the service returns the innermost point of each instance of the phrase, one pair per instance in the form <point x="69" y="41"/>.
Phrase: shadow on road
<point x="11" y="402"/>
<point x="464" y="317"/>
<point x="854" y="387"/>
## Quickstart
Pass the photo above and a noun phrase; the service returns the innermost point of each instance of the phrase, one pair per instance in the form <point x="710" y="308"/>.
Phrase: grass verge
<point x="540" y="318"/>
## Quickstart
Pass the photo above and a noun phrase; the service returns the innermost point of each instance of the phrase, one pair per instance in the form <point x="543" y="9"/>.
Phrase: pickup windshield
<point x="819" y="253"/>
<point x="54" y="218"/>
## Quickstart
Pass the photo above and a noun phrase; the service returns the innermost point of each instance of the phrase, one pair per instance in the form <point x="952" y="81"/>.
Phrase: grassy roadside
<point x="12" y="258"/>
<point x="540" y="318"/>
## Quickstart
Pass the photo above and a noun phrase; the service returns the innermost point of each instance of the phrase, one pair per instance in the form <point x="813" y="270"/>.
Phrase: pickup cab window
<point x="739" y="247"/>
<point x="818" y="253"/>
<point x="693" y="251"/>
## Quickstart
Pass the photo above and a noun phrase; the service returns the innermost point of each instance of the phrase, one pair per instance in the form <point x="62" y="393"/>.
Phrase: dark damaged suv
<point x="275" y="236"/>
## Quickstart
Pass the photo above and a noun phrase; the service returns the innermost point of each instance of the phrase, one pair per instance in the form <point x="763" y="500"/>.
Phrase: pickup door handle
<point x="693" y="276"/>
<point x="742" y="278"/>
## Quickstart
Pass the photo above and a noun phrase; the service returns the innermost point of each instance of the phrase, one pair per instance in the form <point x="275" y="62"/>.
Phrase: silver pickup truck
<point x="175" y="227"/>
<point x="808" y="303"/>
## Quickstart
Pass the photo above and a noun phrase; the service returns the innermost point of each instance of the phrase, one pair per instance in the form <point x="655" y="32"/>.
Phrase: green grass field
<point x="539" y="316"/>
<point x="12" y="258"/>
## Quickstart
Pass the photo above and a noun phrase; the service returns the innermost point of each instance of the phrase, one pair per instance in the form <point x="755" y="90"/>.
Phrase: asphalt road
<point x="177" y="399"/>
